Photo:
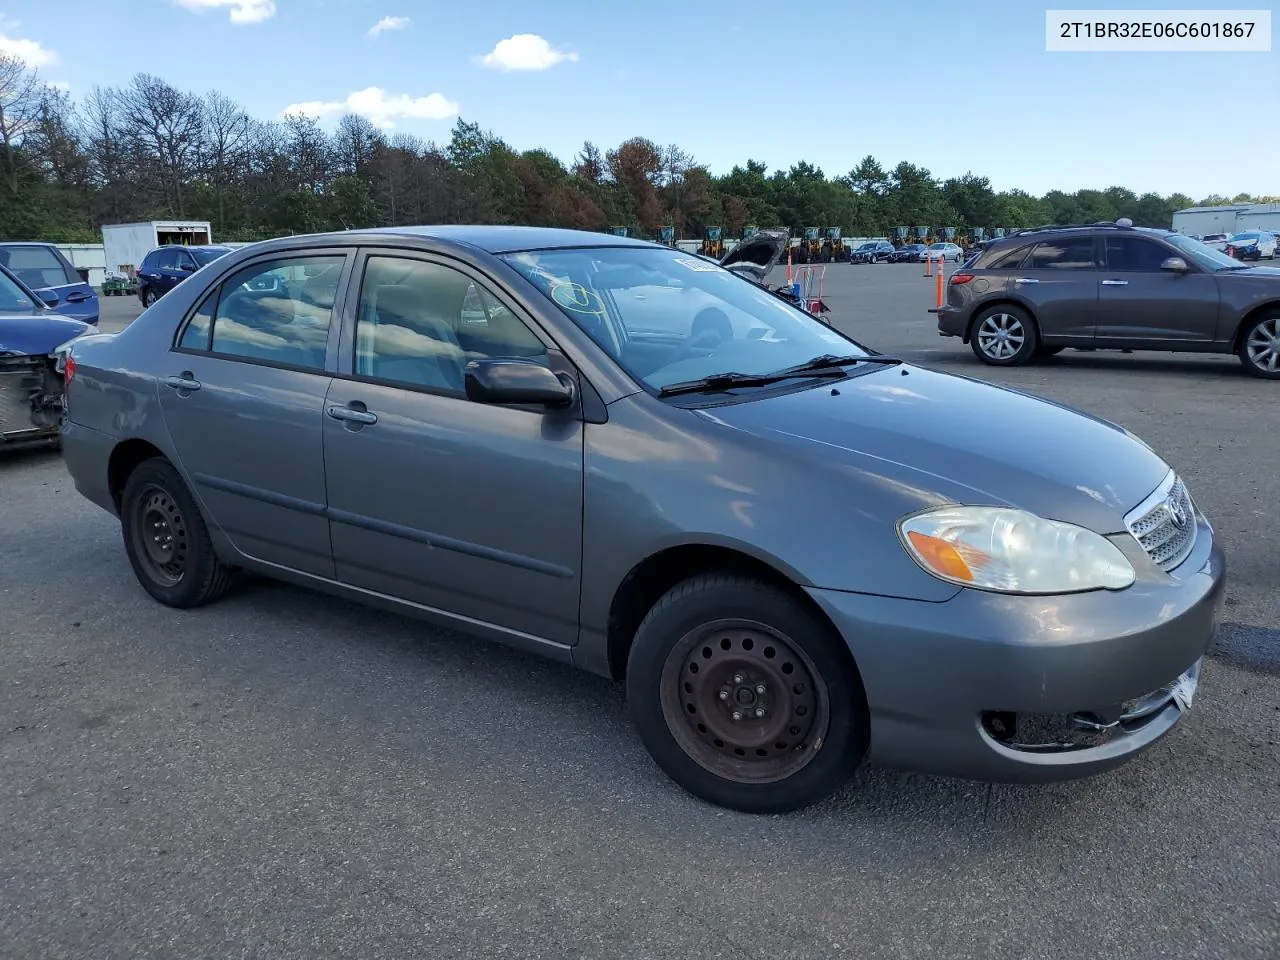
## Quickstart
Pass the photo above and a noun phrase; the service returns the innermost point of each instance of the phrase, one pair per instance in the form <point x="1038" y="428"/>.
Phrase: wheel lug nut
<point x="759" y="711"/>
<point x="724" y="694"/>
<point x="760" y="688"/>
<point x="737" y="714"/>
<point x="737" y="678"/>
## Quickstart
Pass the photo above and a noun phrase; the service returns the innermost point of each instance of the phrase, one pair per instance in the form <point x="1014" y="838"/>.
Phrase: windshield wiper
<point x="729" y="380"/>
<point x="829" y="361"/>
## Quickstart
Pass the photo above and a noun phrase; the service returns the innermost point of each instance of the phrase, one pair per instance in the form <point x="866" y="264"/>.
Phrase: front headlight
<point x="1012" y="551"/>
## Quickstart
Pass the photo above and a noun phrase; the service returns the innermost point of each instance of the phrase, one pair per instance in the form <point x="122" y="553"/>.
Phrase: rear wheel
<point x="148" y="297"/>
<point x="743" y="697"/>
<point x="1004" y="336"/>
<point x="1260" y="347"/>
<point x="166" y="538"/>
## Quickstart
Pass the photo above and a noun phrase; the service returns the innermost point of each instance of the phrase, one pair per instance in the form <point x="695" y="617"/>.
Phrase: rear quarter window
<point x="39" y="266"/>
<point x="1006" y="259"/>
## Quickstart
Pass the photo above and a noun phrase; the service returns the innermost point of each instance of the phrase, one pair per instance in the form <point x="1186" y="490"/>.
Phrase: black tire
<point x="1259" y="351"/>
<point x="1022" y="336"/>
<point x="148" y="297"/>
<point x="719" y="643"/>
<point x="156" y="499"/>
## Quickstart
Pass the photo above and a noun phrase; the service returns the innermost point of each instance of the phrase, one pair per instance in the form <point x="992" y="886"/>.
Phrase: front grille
<point x="15" y="400"/>
<point x="1165" y="523"/>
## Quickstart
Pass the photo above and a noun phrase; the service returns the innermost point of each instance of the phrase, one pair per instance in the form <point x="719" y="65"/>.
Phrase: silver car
<point x="795" y="552"/>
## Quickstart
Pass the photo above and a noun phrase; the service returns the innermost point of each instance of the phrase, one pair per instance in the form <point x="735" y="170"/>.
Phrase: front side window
<point x="667" y="317"/>
<point x="38" y="267"/>
<point x="263" y="313"/>
<point x="420" y="323"/>
<point x="1075" y="253"/>
<point x="13" y="299"/>
<point x="1135" y="255"/>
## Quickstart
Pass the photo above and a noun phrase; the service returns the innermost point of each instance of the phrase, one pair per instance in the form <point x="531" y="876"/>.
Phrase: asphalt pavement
<point x="287" y="775"/>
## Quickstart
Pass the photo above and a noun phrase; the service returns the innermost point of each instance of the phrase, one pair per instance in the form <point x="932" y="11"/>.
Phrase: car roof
<point x="495" y="238"/>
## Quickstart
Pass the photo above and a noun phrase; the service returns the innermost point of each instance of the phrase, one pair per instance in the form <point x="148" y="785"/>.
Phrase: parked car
<point x="33" y="340"/>
<point x="1112" y="286"/>
<point x="165" y="267"/>
<point x="945" y="251"/>
<point x="45" y="269"/>
<point x="1215" y="241"/>
<point x="873" y="251"/>
<point x="908" y="253"/>
<point x="1253" y="245"/>
<point x="670" y="511"/>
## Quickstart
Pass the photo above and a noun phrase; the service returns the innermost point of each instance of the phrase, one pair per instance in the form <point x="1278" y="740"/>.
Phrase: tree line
<point x="149" y="151"/>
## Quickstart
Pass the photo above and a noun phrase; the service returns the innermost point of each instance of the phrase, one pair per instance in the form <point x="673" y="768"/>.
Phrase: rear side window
<point x="1135" y="255"/>
<point x="1075" y="253"/>
<point x="38" y="266"/>
<point x="279" y="311"/>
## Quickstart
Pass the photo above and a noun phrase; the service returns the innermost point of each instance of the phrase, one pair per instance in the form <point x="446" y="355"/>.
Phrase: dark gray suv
<point x="1112" y="286"/>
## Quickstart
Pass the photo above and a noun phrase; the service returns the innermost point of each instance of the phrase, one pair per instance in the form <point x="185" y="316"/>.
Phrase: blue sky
<point x="949" y="85"/>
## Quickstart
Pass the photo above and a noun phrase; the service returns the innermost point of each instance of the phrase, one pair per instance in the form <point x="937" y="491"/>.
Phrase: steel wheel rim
<point x="161" y="532"/>
<point x="1001" y="336"/>
<point x="743" y="667"/>
<point x="1263" y="346"/>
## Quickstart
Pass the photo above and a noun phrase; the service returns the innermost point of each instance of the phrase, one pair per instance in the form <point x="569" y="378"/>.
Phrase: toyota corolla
<point x="795" y="552"/>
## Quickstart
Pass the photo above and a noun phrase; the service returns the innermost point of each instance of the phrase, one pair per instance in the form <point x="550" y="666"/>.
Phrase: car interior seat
<point x="402" y="339"/>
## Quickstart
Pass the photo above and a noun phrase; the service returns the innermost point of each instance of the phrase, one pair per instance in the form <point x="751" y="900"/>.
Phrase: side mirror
<point x="1176" y="264"/>
<point x="49" y="297"/>
<point x="516" y="381"/>
<point x="187" y="267"/>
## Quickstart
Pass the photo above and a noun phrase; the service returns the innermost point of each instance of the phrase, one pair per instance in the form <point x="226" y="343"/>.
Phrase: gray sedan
<point x="796" y="553"/>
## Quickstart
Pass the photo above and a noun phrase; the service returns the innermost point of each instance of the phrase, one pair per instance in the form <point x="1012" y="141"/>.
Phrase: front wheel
<point x="745" y="698"/>
<point x="1004" y="336"/>
<point x="1260" y="347"/>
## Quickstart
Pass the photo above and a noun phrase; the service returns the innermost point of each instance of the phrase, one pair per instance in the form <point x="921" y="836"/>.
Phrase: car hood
<point x="964" y="441"/>
<point x="1270" y="274"/>
<point x="759" y="253"/>
<point x="32" y="335"/>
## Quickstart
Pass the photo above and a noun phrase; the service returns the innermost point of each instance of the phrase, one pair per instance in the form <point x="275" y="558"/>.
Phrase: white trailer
<point x="125" y="244"/>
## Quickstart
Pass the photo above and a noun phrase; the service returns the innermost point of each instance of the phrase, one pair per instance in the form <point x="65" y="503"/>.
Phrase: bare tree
<point x="168" y="126"/>
<point x="20" y="92"/>
<point x="355" y="144"/>
<point x="227" y="130"/>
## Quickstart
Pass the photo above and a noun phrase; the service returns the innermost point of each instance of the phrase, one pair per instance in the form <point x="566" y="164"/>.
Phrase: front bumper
<point x="958" y="687"/>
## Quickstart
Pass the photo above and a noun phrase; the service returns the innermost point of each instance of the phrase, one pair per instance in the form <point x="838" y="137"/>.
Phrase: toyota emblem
<point x="1177" y="515"/>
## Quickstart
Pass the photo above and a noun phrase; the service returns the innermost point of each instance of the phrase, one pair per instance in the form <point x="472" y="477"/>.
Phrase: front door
<point x="470" y="509"/>
<point x="1059" y="279"/>
<point x="244" y="402"/>
<point x="1139" y="301"/>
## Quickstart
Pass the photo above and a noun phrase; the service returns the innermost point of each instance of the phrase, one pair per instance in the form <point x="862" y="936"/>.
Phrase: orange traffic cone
<point x="941" y="294"/>
<point x="928" y="263"/>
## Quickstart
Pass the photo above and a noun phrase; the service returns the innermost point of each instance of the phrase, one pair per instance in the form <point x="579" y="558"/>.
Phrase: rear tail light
<point x="957" y="279"/>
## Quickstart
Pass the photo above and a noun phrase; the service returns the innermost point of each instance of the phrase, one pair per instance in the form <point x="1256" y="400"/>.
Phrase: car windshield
<point x="667" y="317"/>
<point x="206" y="255"/>
<point x="13" y="299"/>
<point x="1203" y="255"/>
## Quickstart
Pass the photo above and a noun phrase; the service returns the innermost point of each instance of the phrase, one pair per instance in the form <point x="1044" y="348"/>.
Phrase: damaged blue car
<point x="33" y="344"/>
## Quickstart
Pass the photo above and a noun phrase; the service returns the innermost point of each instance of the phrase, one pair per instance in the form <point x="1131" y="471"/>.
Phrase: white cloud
<point x="382" y="110"/>
<point x="388" y="23"/>
<point x="525" y="51"/>
<point x="242" y="11"/>
<point x="28" y="51"/>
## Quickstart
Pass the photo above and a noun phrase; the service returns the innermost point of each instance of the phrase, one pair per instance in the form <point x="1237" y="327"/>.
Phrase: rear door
<point x="243" y="399"/>
<point x="1058" y="280"/>
<point x="1141" y="302"/>
<point x="43" y="267"/>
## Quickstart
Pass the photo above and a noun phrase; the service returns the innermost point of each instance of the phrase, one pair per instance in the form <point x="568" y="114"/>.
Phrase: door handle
<point x="77" y="297"/>
<point x="1115" y="283"/>
<point x="352" y="415"/>
<point x="1025" y="280"/>
<point x="184" y="382"/>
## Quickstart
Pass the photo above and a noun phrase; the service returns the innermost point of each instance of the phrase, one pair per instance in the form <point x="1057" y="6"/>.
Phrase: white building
<point x="1230" y="219"/>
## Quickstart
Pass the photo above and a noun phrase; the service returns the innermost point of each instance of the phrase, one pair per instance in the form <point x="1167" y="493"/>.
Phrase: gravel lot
<point x="287" y="775"/>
